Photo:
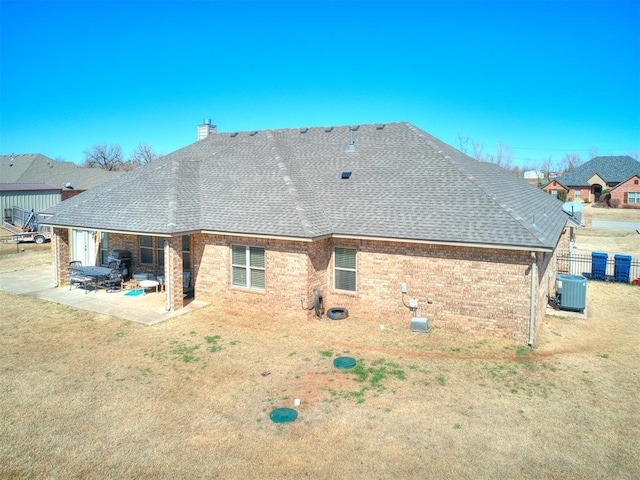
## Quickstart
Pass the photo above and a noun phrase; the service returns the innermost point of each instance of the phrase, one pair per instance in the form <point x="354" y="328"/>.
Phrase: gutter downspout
<point x="168" y="281"/>
<point x="532" y="312"/>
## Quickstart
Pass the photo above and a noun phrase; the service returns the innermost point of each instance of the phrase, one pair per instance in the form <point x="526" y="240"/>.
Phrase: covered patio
<point x="148" y="309"/>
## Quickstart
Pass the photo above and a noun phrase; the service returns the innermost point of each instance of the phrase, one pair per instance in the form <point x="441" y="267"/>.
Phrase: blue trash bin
<point x="622" y="268"/>
<point x="599" y="265"/>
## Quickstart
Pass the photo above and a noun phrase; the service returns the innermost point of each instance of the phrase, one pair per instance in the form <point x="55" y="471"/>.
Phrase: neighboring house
<point x="267" y="222"/>
<point x="533" y="175"/>
<point x="27" y="196"/>
<point x="35" y="182"/>
<point x="627" y="193"/>
<point x="586" y="182"/>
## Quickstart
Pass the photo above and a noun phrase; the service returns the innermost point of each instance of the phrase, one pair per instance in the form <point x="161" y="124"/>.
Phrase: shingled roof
<point x="612" y="169"/>
<point x="37" y="168"/>
<point x="403" y="184"/>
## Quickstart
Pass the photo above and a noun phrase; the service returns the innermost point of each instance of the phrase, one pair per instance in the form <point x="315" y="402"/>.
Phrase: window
<point x="160" y="251"/>
<point x="146" y="249"/>
<point x="554" y="193"/>
<point x="186" y="252"/>
<point x="247" y="267"/>
<point x="344" y="272"/>
<point x="576" y="193"/>
<point x="633" y="197"/>
<point x="104" y="248"/>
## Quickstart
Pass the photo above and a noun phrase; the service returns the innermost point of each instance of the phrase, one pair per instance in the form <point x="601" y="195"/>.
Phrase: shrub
<point x="605" y="198"/>
<point x="614" y="202"/>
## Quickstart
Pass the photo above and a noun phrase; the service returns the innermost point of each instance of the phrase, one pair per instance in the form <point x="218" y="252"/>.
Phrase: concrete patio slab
<point x="148" y="309"/>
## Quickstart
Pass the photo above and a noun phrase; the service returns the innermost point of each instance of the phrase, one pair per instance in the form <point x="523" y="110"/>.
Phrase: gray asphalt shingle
<point x="404" y="184"/>
<point x="612" y="169"/>
<point x="36" y="168"/>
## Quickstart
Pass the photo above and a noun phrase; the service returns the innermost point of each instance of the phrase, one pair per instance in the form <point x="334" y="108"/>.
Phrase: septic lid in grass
<point x="283" y="415"/>
<point x="344" y="362"/>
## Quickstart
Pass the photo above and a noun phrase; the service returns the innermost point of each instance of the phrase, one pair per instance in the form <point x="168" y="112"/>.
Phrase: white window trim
<point x="248" y="267"/>
<point x="335" y="268"/>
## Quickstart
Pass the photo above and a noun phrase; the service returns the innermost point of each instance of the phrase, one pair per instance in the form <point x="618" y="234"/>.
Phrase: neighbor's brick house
<point x="261" y="220"/>
<point x="586" y="182"/>
<point x="627" y="193"/>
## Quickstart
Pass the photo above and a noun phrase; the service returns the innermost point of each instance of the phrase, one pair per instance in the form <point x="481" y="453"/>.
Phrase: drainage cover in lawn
<point x="344" y="362"/>
<point x="283" y="415"/>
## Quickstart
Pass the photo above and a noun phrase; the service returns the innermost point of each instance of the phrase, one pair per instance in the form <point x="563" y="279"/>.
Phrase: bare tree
<point x="593" y="152"/>
<point x="545" y="168"/>
<point x="107" y="157"/>
<point x="478" y="151"/>
<point x="570" y="161"/>
<point x="504" y="156"/>
<point x="143" y="154"/>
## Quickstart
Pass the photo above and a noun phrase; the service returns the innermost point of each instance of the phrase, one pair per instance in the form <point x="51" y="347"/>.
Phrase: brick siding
<point x="471" y="289"/>
<point x="479" y="290"/>
<point x="621" y="190"/>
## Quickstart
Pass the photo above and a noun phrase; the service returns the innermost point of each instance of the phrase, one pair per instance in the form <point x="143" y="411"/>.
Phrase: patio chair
<point x="78" y="279"/>
<point x="113" y="281"/>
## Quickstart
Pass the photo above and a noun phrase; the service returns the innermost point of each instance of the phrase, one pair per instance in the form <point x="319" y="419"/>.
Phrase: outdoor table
<point x="93" y="271"/>
<point x="149" y="284"/>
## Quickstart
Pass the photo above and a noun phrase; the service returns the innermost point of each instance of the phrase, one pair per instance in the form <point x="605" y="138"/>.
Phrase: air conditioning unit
<point x="571" y="292"/>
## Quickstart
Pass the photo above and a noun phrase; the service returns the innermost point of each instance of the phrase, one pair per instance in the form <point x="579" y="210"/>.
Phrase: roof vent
<point x="328" y="129"/>
<point x="234" y="134"/>
<point x="345" y="175"/>
<point x="253" y="133"/>
<point x="352" y="146"/>
<point x="379" y="126"/>
<point x="304" y="130"/>
<point x="354" y="128"/>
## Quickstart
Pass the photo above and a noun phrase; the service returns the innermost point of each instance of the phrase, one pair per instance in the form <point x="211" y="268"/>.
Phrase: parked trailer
<point x="24" y="227"/>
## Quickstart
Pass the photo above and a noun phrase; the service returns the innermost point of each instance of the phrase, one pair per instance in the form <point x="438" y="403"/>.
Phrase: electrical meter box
<point x="413" y="303"/>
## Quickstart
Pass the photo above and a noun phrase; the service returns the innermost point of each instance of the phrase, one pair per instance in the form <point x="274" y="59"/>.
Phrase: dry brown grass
<point x="613" y="214"/>
<point x="609" y="240"/>
<point x="90" y="396"/>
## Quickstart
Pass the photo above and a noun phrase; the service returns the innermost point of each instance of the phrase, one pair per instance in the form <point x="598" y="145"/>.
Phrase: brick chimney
<point x="205" y="129"/>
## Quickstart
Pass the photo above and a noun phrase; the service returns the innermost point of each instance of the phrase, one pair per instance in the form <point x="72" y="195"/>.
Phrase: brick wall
<point x="62" y="250"/>
<point x="287" y="274"/>
<point x="631" y="185"/>
<point x="553" y="186"/>
<point x="470" y="289"/>
<point x="474" y="290"/>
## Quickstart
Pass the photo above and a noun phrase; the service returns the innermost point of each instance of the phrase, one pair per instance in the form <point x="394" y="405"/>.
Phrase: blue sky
<point x="543" y="78"/>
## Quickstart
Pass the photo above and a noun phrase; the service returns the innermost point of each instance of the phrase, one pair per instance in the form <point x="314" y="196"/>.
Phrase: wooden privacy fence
<point x="601" y="266"/>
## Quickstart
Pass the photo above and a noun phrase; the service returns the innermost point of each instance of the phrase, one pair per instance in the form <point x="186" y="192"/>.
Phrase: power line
<point x="574" y="149"/>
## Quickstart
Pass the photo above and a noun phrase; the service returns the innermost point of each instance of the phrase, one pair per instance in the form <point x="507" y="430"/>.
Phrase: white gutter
<point x="532" y="312"/>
